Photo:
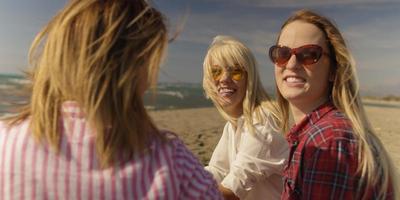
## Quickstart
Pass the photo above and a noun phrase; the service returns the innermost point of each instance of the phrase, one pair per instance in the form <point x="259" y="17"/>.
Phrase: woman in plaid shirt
<point x="334" y="151"/>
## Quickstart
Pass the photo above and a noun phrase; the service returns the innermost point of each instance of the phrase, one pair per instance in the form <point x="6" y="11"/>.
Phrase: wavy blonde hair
<point x="99" y="54"/>
<point x="228" y="51"/>
<point x="345" y="95"/>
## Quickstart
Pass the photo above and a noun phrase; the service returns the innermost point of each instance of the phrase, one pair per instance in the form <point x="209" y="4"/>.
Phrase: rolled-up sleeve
<point x="259" y="155"/>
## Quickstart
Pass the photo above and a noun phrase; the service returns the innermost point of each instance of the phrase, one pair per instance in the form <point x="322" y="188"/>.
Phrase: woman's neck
<point x="300" y="110"/>
<point x="234" y="113"/>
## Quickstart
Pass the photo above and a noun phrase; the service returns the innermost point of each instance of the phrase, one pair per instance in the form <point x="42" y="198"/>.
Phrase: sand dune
<point x="200" y="128"/>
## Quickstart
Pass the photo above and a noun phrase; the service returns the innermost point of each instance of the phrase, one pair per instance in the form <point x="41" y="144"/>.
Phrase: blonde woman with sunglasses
<point x="85" y="133"/>
<point x="249" y="158"/>
<point x="334" y="151"/>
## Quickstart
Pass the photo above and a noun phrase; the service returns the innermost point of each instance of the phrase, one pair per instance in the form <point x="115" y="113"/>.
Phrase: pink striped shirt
<point x="32" y="171"/>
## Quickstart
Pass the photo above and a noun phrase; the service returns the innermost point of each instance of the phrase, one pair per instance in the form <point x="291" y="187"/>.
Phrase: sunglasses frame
<point x="297" y="51"/>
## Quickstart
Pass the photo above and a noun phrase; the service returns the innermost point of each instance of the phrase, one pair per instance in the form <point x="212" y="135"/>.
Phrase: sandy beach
<point x="201" y="128"/>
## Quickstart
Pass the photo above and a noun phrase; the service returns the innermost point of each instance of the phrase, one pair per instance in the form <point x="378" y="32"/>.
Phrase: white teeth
<point x="226" y="90"/>
<point x="294" y="80"/>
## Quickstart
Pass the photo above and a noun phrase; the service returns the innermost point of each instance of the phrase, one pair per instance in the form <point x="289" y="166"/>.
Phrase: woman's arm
<point x="194" y="181"/>
<point x="219" y="163"/>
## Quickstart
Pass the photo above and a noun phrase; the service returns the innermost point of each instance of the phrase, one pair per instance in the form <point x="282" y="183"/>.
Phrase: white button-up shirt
<point x="248" y="164"/>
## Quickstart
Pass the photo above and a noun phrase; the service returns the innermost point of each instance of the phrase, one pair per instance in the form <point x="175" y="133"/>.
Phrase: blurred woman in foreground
<point x="85" y="133"/>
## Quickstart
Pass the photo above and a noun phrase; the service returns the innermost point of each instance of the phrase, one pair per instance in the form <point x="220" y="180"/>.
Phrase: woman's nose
<point x="226" y="76"/>
<point x="292" y="62"/>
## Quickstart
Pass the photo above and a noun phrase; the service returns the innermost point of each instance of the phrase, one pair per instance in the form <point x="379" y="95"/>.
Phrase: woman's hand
<point x="227" y="193"/>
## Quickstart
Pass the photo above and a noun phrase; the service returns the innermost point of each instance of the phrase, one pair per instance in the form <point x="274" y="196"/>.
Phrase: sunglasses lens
<point x="309" y="55"/>
<point x="306" y="55"/>
<point x="237" y="74"/>
<point x="279" y="55"/>
<point x="216" y="73"/>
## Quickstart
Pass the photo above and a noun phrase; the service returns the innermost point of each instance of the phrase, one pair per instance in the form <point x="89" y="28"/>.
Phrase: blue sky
<point x="370" y="27"/>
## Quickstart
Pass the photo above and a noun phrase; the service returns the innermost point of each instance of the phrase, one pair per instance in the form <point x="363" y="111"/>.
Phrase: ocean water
<point x="11" y="91"/>
<point x="167" y="95"/>
<point x="177" y="96"/>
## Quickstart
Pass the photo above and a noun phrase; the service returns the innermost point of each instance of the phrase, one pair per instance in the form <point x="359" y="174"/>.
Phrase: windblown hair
<point x="101" y="54"/>
<point x="227" y="51"/>
<point x="376" y="167"/>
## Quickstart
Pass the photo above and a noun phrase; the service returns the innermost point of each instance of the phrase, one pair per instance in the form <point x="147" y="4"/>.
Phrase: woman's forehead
<point x="226" y="65"/>
<point x="224" y="62"/>
<point x="299" y="33"/>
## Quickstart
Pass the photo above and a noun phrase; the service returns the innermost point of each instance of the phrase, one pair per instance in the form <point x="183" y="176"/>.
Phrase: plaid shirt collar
<point x="308" y="120"/>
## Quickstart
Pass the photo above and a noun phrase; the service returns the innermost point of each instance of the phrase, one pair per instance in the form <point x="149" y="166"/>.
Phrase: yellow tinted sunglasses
<point x="236" y="73"/>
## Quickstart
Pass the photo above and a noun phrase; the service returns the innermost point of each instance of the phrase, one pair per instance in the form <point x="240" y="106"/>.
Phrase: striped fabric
<point x="32" y="171"/>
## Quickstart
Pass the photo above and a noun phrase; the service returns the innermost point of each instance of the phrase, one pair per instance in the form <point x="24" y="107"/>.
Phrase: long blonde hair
<point x="99" y="54"/>
<point x="228" y="51"/>
<point x="376" y="166"/>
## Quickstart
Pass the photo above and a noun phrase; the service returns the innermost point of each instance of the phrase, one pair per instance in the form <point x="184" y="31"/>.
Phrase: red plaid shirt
<point x="323" y="158"/>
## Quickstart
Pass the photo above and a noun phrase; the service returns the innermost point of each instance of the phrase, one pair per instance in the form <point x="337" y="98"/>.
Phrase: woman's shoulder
<point x="330" y="130"/>
<point x="172" y="142"/>
<point x="6" y="126"/>
<point x="265" y="120"/>
<point x="336" y="122"/>
<point x="179" y="154"/>
<point x="169" y="134"/>
<point x="180" y="167"/>
<point x="2" y="128"/>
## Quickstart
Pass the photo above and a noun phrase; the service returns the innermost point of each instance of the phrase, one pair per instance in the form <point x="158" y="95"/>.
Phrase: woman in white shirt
<point x="250" y="156"/>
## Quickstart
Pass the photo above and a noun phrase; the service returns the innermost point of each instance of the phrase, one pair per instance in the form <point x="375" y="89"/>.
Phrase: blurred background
<point x="370" y="27"/>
